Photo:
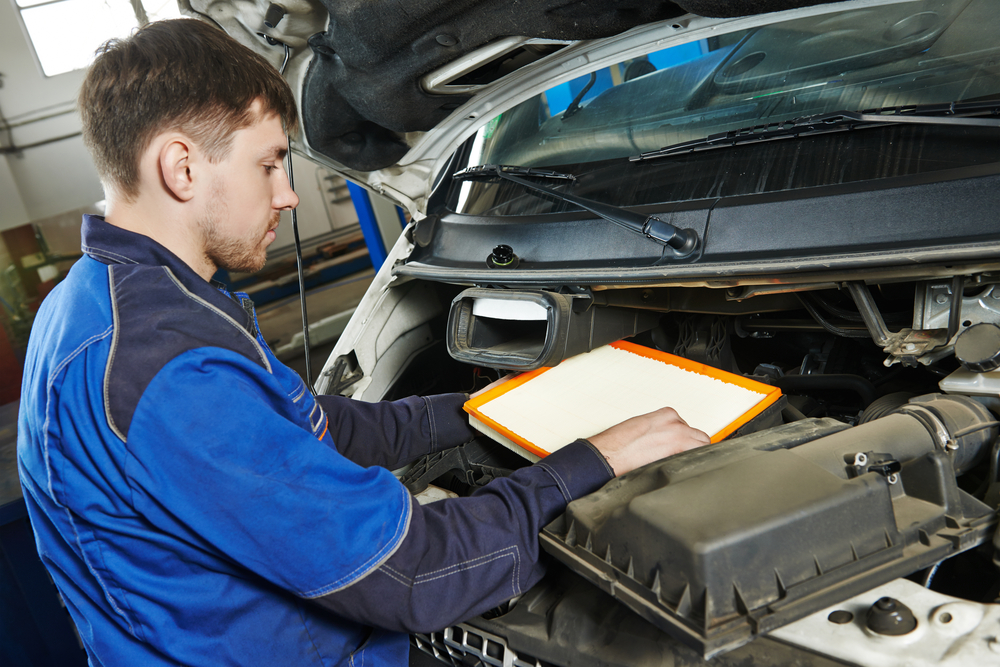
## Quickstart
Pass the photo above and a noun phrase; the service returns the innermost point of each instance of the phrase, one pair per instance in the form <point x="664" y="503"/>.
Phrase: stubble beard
<point x="246" y="254"/>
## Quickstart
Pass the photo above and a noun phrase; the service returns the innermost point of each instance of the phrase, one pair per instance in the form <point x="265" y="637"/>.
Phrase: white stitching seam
<point x="511" y="551"/>
<point x="48" y="468"/>
<point x="197" y="299"/>
<point x="598" y="454"/>
<point x="107" y="253"/>
<point x="392" y="574"/>
<point x="97" y="577"/>
<point x="299" y="392"/>
<point x="48" y="399"/>
<point x="86" y="561"/>
<point x="559" y="481"/>
<point x="467" y="565"/>
<point x="56" y="372"/>
<point x="373" y="563"/>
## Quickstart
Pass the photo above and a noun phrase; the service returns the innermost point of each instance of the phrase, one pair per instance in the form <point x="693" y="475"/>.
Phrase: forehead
<point x="264" y="138"/>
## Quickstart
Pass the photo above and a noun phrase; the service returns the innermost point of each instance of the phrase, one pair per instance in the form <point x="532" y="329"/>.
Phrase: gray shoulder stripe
<point x="224" y="316"/>
<point x="111" y="354"/>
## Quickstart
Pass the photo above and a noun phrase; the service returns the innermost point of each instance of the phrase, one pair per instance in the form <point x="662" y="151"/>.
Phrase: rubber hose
<point x="884" y="405"/>
<point x="846" y="333"/>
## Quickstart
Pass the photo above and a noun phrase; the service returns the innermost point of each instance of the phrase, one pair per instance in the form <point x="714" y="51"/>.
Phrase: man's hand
<point x="646" y="438"/>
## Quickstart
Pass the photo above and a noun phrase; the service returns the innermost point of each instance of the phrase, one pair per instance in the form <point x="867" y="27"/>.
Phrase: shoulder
<point x="72" y="319"/>
<point x="156" y="319"/>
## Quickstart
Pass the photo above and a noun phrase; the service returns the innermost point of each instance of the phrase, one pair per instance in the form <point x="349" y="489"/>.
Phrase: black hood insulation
<point x="362" y="90"/>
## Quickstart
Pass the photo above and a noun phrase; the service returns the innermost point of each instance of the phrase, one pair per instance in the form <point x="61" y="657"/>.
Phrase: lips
<point x="271" y="232"/>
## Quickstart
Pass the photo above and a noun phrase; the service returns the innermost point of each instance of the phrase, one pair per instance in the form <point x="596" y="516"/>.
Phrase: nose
<point x="284" y="198"/>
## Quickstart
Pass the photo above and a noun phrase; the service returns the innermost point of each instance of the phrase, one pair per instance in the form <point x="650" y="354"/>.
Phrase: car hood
<point x="388" y="91"/>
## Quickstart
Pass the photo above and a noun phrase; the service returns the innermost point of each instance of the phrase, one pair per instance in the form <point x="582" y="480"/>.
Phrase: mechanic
<point x="193" y="502"/>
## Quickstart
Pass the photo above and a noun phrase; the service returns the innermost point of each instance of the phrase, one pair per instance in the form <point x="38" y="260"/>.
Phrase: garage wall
<point x="48" y="180"/>
<point x="315" y="216"/>
<point x="12" y="211"/>
<point x="58" y="177"/>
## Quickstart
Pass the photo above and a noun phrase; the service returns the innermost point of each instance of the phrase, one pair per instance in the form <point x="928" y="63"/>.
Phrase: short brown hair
<point x="182" y="74"/>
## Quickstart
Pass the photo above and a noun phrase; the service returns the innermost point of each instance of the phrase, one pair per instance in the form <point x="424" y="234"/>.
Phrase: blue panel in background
<point x="678" y="54"/>
<point x="603" y="83"/>
<point x="369" y="226"/>
<point x="560" y="97"/>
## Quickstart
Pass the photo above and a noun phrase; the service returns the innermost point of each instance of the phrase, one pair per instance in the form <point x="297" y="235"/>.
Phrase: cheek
<point x="252" y="191"/>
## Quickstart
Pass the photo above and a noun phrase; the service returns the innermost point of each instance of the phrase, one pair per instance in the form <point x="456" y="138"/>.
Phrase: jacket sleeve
<point x="221" y="458"/>
<point x="464" y="556"/>
<point x="216" y="459"/>
<point x="392" y="434"/>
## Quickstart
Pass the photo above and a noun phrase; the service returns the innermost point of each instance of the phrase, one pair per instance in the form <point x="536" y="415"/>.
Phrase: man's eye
<point x="269" y="168"/>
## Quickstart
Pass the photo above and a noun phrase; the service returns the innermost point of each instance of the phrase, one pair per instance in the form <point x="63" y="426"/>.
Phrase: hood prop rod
<point x="295" y="233"/>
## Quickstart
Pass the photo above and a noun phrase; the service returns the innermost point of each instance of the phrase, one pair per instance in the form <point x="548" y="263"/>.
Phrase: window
<point x="65" y="33"/>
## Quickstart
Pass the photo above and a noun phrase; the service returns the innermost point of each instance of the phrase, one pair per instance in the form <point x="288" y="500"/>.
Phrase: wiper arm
<point x="926" y="114"/>
<point x="488" y="171"/>
<point x="684" y="242"/>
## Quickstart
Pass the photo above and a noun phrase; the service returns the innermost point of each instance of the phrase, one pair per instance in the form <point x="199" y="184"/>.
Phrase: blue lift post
<point x="374" y="241"/>
<point x="369" y="225"/>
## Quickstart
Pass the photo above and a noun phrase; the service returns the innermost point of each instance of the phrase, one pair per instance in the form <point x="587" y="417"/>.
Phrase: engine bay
<point x="880" y="465"/>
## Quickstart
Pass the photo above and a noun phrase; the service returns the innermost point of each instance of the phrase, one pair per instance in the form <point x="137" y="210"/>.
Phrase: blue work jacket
<point x="195" y="505"/>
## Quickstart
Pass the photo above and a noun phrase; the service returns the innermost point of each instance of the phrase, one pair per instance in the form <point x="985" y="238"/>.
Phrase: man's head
<point x="181" y="75"/>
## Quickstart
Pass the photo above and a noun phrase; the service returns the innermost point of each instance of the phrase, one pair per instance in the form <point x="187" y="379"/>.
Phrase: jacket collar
<point x="109" y="244"/>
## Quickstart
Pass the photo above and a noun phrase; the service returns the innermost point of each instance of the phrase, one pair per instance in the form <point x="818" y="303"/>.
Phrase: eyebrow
<point x="277" y="151"/>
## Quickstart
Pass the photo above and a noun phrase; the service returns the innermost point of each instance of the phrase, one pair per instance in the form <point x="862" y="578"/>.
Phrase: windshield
<point x="911" y="53"/>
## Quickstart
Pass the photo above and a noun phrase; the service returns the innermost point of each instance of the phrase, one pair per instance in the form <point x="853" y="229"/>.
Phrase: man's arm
<point x="464" y="556"/>
<point x="391" y="434"/>
<point x="219" y="467"/>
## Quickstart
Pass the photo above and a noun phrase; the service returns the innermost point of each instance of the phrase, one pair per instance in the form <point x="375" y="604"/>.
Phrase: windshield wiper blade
<point x="488" y="171"/>
<point x="961" y="114"/>
<point x="684" y="242"/>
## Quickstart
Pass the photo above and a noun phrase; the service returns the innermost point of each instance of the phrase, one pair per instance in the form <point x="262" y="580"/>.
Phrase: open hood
<point x="387" y="91"/>
<point x="841" y="245"/>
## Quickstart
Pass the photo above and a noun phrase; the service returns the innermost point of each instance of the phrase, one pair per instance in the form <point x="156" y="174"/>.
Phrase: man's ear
<point x="175" y="159"/>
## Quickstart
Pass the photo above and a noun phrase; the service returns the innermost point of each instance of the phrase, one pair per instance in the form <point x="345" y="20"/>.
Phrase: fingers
<point x="647" y="438"/>
<point x="702" y="437"/>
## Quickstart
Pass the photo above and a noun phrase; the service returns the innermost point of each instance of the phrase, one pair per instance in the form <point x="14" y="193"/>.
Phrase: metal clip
<point x="883" y="464"/>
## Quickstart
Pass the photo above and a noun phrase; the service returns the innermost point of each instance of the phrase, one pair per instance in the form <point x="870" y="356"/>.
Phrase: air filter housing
<point x="728" y="541"/>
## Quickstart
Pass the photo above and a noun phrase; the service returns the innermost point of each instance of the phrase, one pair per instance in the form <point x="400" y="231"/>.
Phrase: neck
<point x="165" y="224"/>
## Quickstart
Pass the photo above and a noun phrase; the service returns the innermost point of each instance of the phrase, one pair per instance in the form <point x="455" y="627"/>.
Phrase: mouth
<point x="271" y="232"/>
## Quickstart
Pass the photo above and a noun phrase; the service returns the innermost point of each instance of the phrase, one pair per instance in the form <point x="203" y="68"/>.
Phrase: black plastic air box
<point x="728" y="541"/>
